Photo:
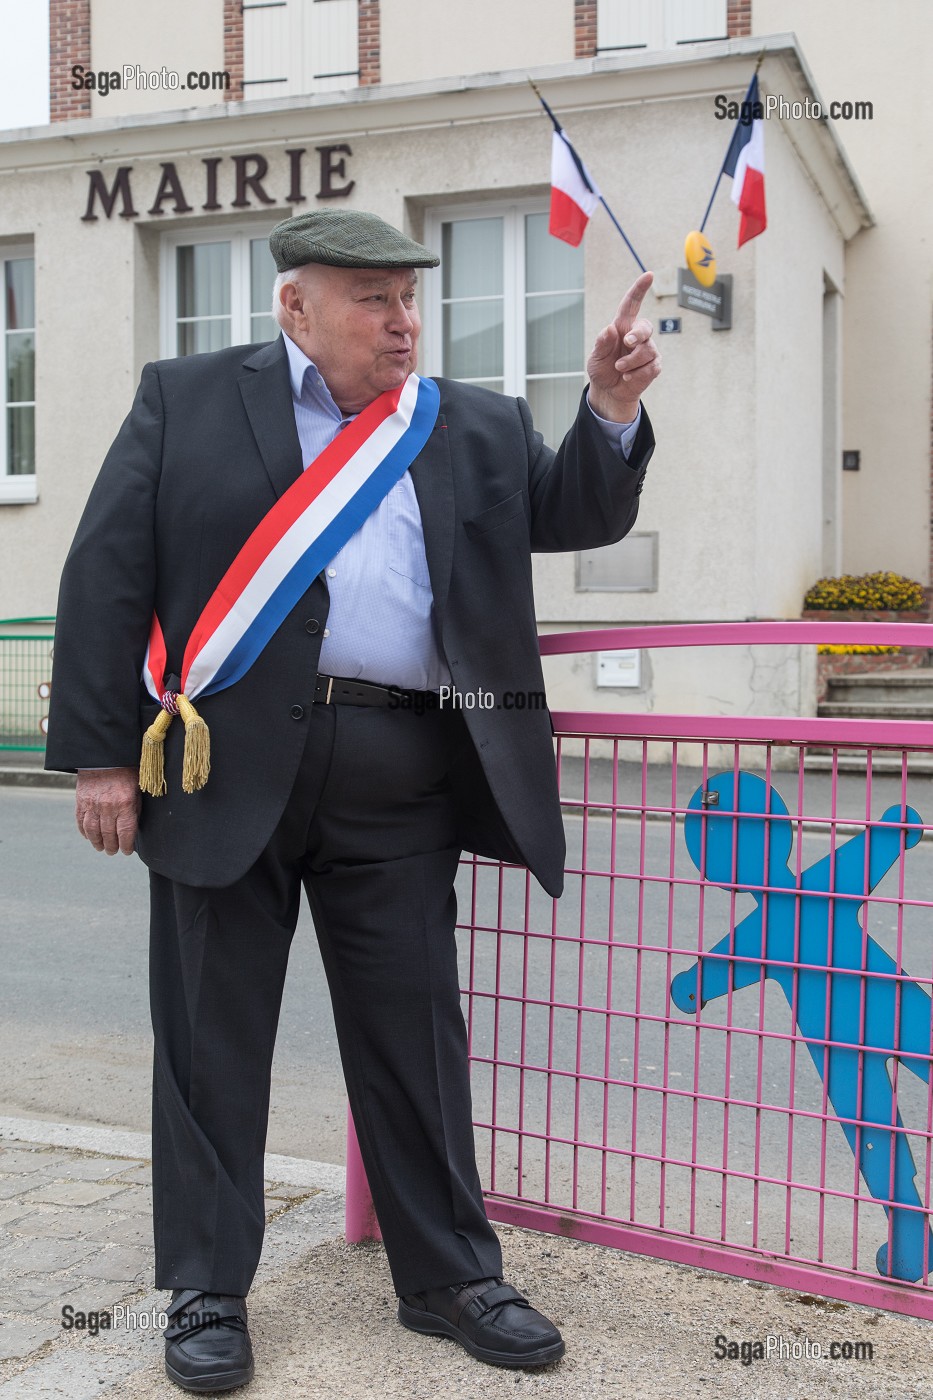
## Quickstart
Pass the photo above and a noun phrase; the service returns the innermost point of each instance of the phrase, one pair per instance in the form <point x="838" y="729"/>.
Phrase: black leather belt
<point x="336" y="690"/>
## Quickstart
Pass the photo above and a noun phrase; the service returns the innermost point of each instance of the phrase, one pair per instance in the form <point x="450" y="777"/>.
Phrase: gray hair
<point x="292" y="274"/>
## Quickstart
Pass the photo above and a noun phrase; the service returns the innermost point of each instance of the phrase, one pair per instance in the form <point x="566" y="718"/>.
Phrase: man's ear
<point x="292" y="301"/>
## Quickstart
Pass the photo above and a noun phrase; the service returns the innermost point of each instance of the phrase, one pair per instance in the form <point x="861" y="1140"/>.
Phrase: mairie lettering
<point x="247" y="181"/>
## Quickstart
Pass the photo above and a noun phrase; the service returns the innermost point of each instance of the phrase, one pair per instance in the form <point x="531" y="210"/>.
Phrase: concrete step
<point x="855" y="762"/>
<point x="920" y="675"/>
<point x="901" y="686"/>
<point x="876" y="709"/>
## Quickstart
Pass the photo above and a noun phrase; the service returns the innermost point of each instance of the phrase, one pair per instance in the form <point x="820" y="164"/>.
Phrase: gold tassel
<point x="152" y="758"/>
<point x="197" y="761"/>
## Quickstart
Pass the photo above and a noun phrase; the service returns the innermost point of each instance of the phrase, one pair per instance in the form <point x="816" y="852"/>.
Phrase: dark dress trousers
<point x="367" y="808"/>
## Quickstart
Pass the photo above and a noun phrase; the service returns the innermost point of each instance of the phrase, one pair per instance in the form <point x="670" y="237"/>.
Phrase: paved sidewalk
<point x="76" y="1240"/>
<point x="74" y="1232"/>
<point x="23" y="768"/>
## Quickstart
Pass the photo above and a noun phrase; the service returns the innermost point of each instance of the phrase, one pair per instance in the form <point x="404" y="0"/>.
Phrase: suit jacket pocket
<point x="495" y="515"/>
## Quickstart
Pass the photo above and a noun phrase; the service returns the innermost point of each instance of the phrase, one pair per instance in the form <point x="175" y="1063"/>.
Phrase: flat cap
<point x="344" y="238"/>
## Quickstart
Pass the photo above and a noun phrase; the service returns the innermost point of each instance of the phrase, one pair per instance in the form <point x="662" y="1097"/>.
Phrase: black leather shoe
<point x="207" y="1344"/>
<point x="490" y="1318"/>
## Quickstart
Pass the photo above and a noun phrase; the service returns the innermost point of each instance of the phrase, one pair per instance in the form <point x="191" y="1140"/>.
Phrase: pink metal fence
<point x="716" y="1048"/>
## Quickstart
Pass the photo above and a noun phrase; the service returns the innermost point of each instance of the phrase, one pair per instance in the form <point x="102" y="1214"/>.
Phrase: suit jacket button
<point x="312" y="625"/>
<point x="297" y="712"/>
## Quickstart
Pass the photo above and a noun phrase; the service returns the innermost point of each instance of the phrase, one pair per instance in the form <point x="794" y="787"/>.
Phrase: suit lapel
<point x="432" y="474"/>
<point x="267" y="397"/>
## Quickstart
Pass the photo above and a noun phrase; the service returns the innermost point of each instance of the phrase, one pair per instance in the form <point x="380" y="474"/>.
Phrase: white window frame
<point x="288" y="42"/>
<point x="14" y="490"/>
<point x="658" y="24"/>
<point x="514" y="362"/>
<point x="239" y="236"/>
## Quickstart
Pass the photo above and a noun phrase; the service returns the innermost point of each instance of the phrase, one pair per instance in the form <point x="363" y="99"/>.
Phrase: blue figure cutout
<point x="735" y="854"/>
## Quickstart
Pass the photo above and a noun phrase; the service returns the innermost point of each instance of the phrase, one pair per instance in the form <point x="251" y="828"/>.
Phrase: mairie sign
<point x="237" y="181"/>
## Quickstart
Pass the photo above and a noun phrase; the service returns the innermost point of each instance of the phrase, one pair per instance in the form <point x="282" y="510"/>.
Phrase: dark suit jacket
<point x="208" y="446"/>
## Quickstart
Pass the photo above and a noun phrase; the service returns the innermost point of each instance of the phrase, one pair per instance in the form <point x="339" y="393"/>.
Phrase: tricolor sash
<point x="301" y="533"/>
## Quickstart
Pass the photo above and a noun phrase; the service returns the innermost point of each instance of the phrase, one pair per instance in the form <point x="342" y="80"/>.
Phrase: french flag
<point x="745" y="162"/>
<point x="574" y="196"/>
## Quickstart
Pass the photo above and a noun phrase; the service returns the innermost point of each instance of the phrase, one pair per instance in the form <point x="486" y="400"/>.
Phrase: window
<point x="293" y="46"/>
<point x="506" y="311"/>
<point x="658" y="24"/>
<point x="216" y="292"/>
<point x="18" y="355"/>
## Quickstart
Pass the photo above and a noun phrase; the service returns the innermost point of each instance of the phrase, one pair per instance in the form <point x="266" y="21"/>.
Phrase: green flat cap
<point x="344" y="238"/>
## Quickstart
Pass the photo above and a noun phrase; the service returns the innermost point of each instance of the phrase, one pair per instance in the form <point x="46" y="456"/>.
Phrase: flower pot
<point x="861" y="615"/>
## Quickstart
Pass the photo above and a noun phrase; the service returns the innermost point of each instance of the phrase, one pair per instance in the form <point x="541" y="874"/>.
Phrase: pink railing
<point x="716" y="1047"/>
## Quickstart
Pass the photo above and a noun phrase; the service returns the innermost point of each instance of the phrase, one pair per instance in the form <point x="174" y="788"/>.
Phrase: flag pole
<point x="709" y="206"/>
<point x="622" y="231"/>
<point x="560" y="131"/>
<point x="712" y="196"/>
<point x="534" y="87"/>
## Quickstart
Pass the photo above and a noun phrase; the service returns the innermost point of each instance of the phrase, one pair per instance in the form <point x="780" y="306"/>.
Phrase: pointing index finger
<point x="630" y="304"/>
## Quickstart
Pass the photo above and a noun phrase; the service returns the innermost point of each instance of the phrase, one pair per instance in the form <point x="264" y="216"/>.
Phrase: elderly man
<point x="316" y="615"/>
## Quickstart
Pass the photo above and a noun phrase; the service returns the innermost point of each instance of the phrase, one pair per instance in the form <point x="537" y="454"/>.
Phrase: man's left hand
<point x="625" y="359"/>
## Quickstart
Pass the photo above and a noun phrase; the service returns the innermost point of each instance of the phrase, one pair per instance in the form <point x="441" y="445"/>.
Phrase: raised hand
<point x="625" y="359"/>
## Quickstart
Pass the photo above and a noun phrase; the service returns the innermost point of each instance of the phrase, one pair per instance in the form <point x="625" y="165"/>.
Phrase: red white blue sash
<point x="302" y="532"/>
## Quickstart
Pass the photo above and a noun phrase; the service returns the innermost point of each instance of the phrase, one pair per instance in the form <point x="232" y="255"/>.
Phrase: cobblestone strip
<point x="75" y="1243"/>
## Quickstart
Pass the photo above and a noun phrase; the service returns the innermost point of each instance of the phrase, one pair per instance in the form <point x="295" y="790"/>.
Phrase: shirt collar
<point x="305" y="386"/>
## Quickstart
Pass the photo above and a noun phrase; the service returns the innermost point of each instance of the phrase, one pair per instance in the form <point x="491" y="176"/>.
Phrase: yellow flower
<point x="879" y="591"/>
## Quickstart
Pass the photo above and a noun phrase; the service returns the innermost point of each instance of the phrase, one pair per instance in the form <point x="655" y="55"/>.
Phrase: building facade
<point x="134" y="227"/>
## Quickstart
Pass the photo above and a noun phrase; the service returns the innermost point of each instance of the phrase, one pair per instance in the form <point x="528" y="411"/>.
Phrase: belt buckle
<point x="330" y="686"/>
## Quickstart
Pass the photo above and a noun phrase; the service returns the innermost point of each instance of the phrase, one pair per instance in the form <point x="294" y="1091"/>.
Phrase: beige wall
<point x="734" y="488"/>
<point x="735" y="680"/>
<point x="436" y="39"/>
<point x="858" y="50"/>
<point x="800" y="247"/>
<point x="84" y="364"/>
<point x="182" y="35"/>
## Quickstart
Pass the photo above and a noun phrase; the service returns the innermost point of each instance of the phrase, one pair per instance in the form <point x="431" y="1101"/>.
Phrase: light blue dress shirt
<point x="381" y="624"/>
